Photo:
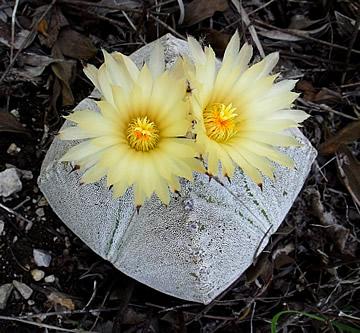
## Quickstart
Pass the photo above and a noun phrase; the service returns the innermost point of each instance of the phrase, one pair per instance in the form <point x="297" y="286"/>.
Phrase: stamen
<point x="142" y="134"/>
<point x="219" y="121"/>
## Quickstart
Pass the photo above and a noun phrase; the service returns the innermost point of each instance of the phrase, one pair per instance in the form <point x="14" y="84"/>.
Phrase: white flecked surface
<point x="197" y="246"/>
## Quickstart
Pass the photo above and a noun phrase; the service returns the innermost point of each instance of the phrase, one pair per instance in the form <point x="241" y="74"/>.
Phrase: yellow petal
<point x="157" y="61"/>
<point x="75" y="133"/>
<point x="80" y="151"/>
<point x="93" y="175"/>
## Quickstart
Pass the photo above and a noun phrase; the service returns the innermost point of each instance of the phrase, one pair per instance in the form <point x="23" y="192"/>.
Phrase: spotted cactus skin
<point x="198" y="245"/>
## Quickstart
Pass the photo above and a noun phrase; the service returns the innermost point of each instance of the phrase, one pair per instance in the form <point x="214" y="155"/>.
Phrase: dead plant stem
<point x="292" y="32"/>
<point x="27" y="39"/>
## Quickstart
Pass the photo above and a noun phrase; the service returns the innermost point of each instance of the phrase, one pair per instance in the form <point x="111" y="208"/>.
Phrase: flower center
<point x="219" y="122"/>
<point x="142" y="134"/>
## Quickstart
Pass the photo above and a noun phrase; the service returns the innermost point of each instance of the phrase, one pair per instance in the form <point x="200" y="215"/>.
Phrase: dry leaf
<point x="302" y="22"/>
<point x="65" y="72"/>
<point x="55" y="23"/>
<point x="320" y="96"/>
<point x="346" y="24"/>
<point x="348" y="134"/>
<point x="199" y="10"/>
<point x="337" y="232"/>
<point x="20" y="36"/>
<point x="121" y="4"/>
<point x="279" y="35"/>
<point x="75" y="45"/>
<point x="8" y="123"/>
<point x="349" y="172"/>
<point x="216" y="39"/>
<point x="327" y="96"/>
<point x="61" y="299"/>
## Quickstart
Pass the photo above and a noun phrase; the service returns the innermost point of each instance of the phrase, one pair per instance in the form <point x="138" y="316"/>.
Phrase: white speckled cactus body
<point x="198" y="245"/>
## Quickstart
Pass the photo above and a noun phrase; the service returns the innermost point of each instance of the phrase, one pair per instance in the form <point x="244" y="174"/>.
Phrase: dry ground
<point x="312" y="265"/>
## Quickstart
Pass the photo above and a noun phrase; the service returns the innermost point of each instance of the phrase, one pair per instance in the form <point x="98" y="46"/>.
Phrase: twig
<point x="44" y="325"/>
<point x="92" y="296"/>
<point x="27" y="39"/>
<point x="167" y="26"/>
<point x="292" y="32"/>
<point x="13" y="18"/>
<point x="182" y="12"/>
<point x="324" y="107"/>
<point x="133" y="25"/>
<point x="101" y="5"/>
<point x="246" y="20"/>
<point x="162" y="4"/>
<point x="9" y="210"/>
<point x="66" y="313"/>
<point x="17" y="261"/>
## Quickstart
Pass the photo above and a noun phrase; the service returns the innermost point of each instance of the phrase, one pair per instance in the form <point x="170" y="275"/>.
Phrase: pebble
<point x="10" y="182"/>
<point x="5" y="291"/>
<point x="24" y="290"/>
<point x="43" y="202"/>
<point x="2" y="225"/>
<point x="40" y="212"/>
<point x="13" y="149"/>
<point x="37" y="274"/>
<point x="15" y="113"/>
<point x="41" y="258"/>
<point x="50" y="278"/>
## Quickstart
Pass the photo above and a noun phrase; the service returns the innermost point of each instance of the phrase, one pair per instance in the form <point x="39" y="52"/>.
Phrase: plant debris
<point x="310" y="268"/>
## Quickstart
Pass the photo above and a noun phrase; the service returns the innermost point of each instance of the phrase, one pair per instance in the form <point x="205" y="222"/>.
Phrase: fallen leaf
<point x="32" y="65"/>
<point x="293" y="35"/>
<point x="320" y="96"/>
<point x="327" y="96"/>
<point x="337" y="232"/>
<point x="8" y="123"/>
<point x="309" y="91"/>
<point x="120" y="5"/>
<point x="346" y="24"/>
<point x="20" y="36"/>
<point x="302" y="22"/>
<point x="346" y="135"/>
<point x="349" y="172"/>
<point x="279" y="35"/>
<point x="216" y="39"/>
<point x="61" y="299"/>
<point x="75" y="45"/>
<point x="65" y="72"/>
<point x="56" y="21"/>
<point x="199" y="10"/>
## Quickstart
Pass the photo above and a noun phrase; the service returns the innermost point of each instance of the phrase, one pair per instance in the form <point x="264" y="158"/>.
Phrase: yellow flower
<point x="139" y="138"/>
<point x="239" y="110"/>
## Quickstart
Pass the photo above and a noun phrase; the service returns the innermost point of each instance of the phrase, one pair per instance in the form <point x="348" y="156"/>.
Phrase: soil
<point x="312" y="263"/>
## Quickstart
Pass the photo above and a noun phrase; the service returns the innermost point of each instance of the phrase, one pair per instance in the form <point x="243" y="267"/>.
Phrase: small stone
<point x="10" y="182"/>
<point x="41" y="258"/>
<point x="29" y="226"/>
<point x="15" y="113"/>
<point x="40" y="212"/>
<point x="49" y="278"/>
<point x="13" y="149"/>
<point x="24" y="290"/>
<point x="5" y="291"/>
<point x="37" y="274"/>
<point x="30" y="302"/>
<point x="43" y="202"/>
<point x="25" y="174"/>
<point x="2" y="224"/>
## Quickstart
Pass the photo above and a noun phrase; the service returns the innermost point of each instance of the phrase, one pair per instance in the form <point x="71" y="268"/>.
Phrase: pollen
<point x="142" y="134"/>
<point x="219" y="121"/>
